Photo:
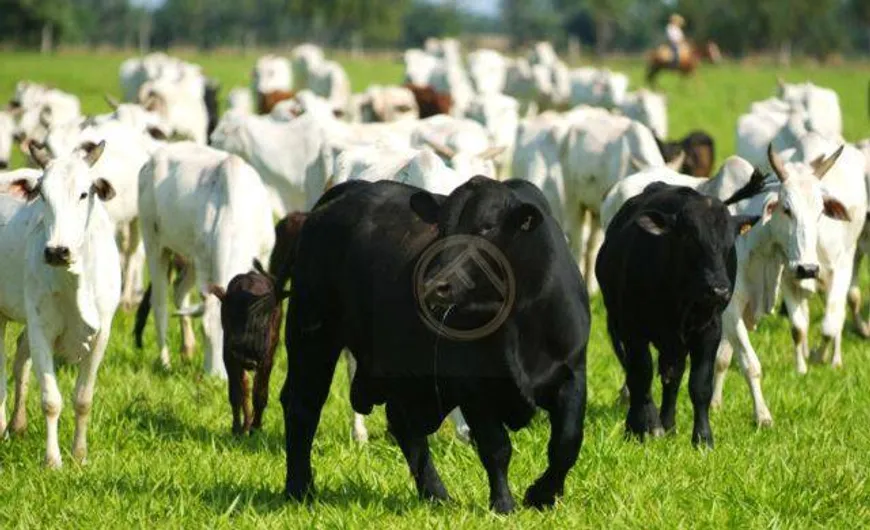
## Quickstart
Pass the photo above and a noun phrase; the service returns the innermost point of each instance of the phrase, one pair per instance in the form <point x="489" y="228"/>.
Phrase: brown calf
<point x="251" y="320"/>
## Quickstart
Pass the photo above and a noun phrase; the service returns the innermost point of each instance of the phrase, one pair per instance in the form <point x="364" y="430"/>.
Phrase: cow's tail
<point x="142" y="317"/>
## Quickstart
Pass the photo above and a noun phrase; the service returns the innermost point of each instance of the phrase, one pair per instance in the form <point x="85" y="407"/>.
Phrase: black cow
<point x="666" y="271"/>
<point x="354" y="285"/>
<point x="251" y="321"/>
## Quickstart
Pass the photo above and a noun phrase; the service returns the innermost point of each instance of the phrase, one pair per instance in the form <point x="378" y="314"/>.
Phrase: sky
<point x="483" y="7"/>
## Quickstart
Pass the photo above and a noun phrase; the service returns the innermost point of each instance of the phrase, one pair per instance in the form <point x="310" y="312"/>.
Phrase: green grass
<point x="161" y="453"/>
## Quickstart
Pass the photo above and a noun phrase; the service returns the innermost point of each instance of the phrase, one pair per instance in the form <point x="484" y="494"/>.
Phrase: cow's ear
<point x="523" y="218"/>
<point x="93" y="151"/>
<point x="218" y="291"/>
<point x="769" y="208"/>
<point x="103" y="189"/>
<point x="744" y="223"/>
<point x="426" y="206"/>
<point x="835" y="209"/>
<point x="26" y="188"/>
<point x="656" y="223"/>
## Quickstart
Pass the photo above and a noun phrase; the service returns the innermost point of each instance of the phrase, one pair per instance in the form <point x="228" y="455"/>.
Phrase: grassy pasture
<point x="161" y="453"/>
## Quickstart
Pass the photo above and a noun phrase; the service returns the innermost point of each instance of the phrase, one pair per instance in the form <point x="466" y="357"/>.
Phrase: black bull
<point x="353" y="286"/>
<point x="667" y="269"/>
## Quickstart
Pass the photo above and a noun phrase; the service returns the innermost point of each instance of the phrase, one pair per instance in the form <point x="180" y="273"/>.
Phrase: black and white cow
<point x="666" y="270"/>
<point x="353" y="285"/>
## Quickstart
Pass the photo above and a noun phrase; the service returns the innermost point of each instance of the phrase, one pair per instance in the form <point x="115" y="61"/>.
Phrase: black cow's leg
<point x="311" y="359"/>
<point x="567" y="416"/>
<point x="261" y="392"/>
<point x="494" y="449"/>
<point x="639" y="371"/>
<point x="236" y="392"/>
<point x="702" y="348"/>
<point x="416" y="450"/>
<point x="671" y="374"/>
<point x="246" y="401"/>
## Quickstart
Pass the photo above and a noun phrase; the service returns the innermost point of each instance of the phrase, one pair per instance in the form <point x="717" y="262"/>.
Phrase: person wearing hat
<point x="674" y="34"/>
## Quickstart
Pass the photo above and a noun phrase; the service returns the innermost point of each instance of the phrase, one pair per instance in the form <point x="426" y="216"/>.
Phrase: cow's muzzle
<point x="57" y="256"/>
<point x="806" y="271"/>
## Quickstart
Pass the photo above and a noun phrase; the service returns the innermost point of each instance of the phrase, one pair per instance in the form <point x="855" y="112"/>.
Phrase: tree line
<point x="815" y="27"/>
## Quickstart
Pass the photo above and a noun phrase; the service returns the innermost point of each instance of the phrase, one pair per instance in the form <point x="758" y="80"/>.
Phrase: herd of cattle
<point x="561" y="171"/>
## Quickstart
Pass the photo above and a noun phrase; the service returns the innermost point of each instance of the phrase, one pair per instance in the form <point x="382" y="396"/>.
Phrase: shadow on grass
<point x="349" y="494"/>
<point x="162" y="420"/>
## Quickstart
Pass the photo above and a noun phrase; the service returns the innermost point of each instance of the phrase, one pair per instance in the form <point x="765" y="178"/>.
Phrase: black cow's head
<point x="702" y="235"/>
<point x="250" y="315"/>
<point x="488" y="223"/>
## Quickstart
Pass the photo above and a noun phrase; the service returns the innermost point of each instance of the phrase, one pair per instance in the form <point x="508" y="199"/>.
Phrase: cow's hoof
<point x="764" y="421"/>
<point x="817" y="356"/>
<point x="657" y="432"/>
<point x="53" y="462"/>
<point x="702" y="440"/>
<point x="503" y="505"/>
<point x="298" y="492"/>
<point x="540" y="495"/>
<point x="801" y="369"/>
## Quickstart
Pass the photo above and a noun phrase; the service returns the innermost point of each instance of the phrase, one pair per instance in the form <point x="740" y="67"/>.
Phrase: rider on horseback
<point x="674" y="34"/>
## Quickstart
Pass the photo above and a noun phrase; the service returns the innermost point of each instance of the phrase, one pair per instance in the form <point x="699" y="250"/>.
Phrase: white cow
<point x="734" y="173"/>
<point x="463" y="143"/>
<point x="599" y="149"/>
<point x="597" y="87"/>
<point x="126" y="152"/>
<point x="537" y="158"/>
<point x="7" y="129"/>
<point x="206" y="206"/>
<point x="648" y="107"/>
<point x="487" y="70"/>
<point x="419" y="66"/>
<point x="271" y="73"/>
<point x="500" y="115"/>
<point x="136" y="117"/>
<point x="304" y="57"/>
<point x="239" y="100"/>
<point x="757" y="130"/>
<point x="62" y="280"/>
<point x="416" y="167"/>
<point x="384" y="104"/>
<point x="451" y="78"/>
<point x="821" y="105"/>
<point x="42" y="109"/>
<point x="542" y="53"/>
<point x="180" y="103"/>
<point x="809" y="228"/>
<point x="328" y="80"/>
<point x="292" y="157"/>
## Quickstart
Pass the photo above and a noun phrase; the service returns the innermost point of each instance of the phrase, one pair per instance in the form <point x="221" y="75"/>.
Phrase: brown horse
<point x="662" y="58"/>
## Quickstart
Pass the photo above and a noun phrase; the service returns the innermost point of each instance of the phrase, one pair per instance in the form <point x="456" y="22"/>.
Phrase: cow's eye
<point x="786" y="210"/>
<point x="83" y="196"/>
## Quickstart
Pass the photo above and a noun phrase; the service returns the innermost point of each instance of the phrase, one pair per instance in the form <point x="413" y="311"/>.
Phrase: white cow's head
<point x="68" y="191"/>
<point x="792" y="215"/>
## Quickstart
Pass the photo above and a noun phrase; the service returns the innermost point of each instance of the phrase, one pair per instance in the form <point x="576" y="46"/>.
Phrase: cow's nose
<point x="4" y="164"/>
<point x="806" y="271"/>
<point x="57" y="255"/>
